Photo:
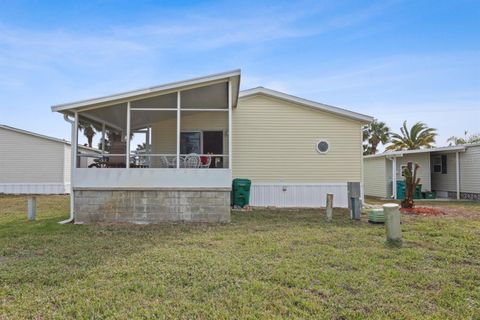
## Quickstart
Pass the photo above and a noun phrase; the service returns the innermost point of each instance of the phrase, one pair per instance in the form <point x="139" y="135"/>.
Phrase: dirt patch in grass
<point x="423" y="211"/>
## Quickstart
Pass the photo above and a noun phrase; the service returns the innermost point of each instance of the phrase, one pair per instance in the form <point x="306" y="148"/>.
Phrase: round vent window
<point x="323" y="146"/>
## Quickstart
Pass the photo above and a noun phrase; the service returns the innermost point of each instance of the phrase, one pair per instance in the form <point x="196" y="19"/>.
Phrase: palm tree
<point x="455" y="141"/>
<point x="417" y="137"/>
<point x="89" y="131"/>
<point x="373" y="134"/>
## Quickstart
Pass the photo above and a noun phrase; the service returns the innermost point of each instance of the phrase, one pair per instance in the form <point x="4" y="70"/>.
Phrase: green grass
<point x="265" y="264"/>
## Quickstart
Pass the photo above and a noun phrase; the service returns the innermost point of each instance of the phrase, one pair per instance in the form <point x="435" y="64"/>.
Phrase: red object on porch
<point x="204" y="160"/>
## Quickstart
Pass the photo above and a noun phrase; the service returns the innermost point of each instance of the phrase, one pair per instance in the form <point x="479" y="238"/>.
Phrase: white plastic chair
<point x="164" y="162"/>
<point x="192" y="161"/>
<point x="173" y="164"/>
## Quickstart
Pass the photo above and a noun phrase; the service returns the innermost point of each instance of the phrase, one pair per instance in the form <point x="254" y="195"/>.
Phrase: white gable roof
<point x="185" y="84"/>
<point x="41" y="136"/>
<point x="305" y="102"/>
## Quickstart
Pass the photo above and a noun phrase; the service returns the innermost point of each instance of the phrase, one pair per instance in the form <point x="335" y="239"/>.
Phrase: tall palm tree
<point x="455" y="141"/>
<point x="417" y="137"/>
<point x="89" y="130"/>
<point x="373" y="134"/>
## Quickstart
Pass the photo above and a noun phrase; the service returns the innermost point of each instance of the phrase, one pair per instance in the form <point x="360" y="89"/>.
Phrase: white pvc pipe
<point x="74" y="157"/>
<point x="394" y="178"/>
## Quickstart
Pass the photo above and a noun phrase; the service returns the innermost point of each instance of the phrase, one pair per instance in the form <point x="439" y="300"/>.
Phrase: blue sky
<point x="394" y="60"/>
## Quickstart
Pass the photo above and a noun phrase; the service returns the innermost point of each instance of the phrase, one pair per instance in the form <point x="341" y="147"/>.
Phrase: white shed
<point x="32" y="163"/>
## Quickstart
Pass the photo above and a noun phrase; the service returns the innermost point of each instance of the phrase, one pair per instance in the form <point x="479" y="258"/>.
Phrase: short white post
<point x="329" y="207"/>
<point x="32" y="208"/>
<point x="392" y="223"/>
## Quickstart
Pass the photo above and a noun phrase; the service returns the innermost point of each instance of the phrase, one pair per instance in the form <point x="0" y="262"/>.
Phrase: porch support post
<point x="127" y="156"/>
<point x="147" y="138"/>
<point x="394" y="178"/>
<point x="178" y="129"/>
<point x="230" y="124"/>
<point x="73" y="147"/>
<point x="457" y="164"/>
<point x="103" y="138"/>
<point x="75" y="142"/>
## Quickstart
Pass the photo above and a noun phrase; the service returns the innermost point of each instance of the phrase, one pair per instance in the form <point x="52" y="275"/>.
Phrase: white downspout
<point x="394" y="177"/>
<point x="457" y="164"/>
<point x="72" y="164"/>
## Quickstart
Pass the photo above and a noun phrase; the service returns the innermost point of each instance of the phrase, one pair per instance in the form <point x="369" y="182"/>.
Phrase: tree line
<point x="418" y="136"/>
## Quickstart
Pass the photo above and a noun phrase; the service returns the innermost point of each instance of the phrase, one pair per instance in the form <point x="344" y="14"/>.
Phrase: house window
<point x="444" y="164"/>
<point x="190" y="142"/>
<point x="402" y="169"/>
<point x="440" y="164"/>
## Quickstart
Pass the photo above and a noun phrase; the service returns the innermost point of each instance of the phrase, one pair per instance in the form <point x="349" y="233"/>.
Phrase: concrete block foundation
<point x="152" y="206"/>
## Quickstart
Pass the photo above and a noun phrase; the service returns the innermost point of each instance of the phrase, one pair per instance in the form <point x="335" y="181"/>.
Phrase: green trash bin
<point x="418" y="192"/>
<point x="241" y="192"/>
<point x="400" y="190"/>
<point x="430" y="195"/>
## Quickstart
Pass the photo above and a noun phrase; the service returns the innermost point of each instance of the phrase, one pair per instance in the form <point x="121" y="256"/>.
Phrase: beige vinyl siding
<point x="275" y="141"/>
<point x="28" y="159"/>
<point x="445" y="181"/>
<point x="423" y="159"/>
<point x="375" y="177"/>
<point x="470" y="170"/>
<point x="164" y="132"/>
<point x="67" y="165"/>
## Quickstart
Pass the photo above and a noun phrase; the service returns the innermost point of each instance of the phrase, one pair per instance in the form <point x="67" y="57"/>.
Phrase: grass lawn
<point x="265" y="264"/>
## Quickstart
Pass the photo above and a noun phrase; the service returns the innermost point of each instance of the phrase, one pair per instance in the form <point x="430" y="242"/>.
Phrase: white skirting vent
<point x="298" y="195"/>
<point x="34" y="188"/>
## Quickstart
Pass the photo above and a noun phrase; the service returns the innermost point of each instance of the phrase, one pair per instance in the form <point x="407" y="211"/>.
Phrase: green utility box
<point x="241" y="192"/>
<point x="376" y="216"/>
<point x="429" y="195"/>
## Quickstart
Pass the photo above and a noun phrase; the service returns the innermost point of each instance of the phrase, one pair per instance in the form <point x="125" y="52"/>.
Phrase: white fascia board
<point x="29" y="133"/>
<point x="41" y="136"/>
<point x="305" y="102"/>
<point x="165" y="87"/>
<point x="401" y="153"/>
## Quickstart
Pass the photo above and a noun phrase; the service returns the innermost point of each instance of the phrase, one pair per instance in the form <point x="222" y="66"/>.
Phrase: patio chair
<point x="117" y="147"/>
<point x="192" y="161"/>
<point x="173" y="164"/>
<point x="164" y="162"/>
<point x="205" y="161"/>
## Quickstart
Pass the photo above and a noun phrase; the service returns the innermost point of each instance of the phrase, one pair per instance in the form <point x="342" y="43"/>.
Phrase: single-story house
<point x="31" y="163"/>
<point x="451" y="172"/>
<point x="199" y="134"/>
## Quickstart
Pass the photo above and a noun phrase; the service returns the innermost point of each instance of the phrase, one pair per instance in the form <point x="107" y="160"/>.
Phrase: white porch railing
<point x="138" y="160"/>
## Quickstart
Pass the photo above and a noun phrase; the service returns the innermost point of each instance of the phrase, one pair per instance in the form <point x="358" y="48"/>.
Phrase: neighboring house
<point x="199" y="135"/>
<point x="32" y="163"/>
<point x="452" y="172"/>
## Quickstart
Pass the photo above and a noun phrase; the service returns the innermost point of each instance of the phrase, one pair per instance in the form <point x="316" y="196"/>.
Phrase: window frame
<point x="320" y="151"/>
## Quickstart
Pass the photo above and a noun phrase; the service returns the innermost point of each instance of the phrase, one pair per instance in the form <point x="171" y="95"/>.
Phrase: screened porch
<point x="176" y="135"/>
